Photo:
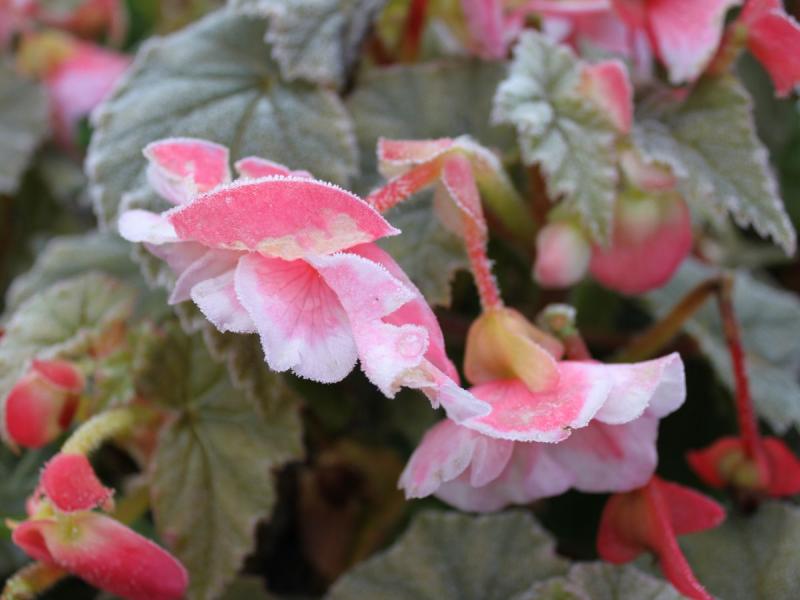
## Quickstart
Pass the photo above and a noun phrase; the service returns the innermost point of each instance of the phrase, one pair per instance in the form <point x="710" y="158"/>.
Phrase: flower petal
<point x="181" y="168"/>
<point x="107" y="555"/>
<point x="658" y="386"/>
<point x="71" y="484"/>
<point x="774" y="39"/>
<point x="217" y="300"/>
<point x="302" y="323"/>
<point x="209" y="265"/>
<point x="545" y="416"/>
<point x="282" y="217"/>
<point x="607" y="84"/>
<point x="145" y="226"/>
<point x="253" y="167"/>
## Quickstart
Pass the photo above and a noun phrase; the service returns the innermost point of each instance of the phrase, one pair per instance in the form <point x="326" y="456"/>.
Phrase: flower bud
<point x="42" y="403"/>
<point x="70" y="483"/>
<point x="726" y="464"/>
<point x="502" y="344"/>
<point x="106" y="554"/>
<point x="562" y="255"/>
<point x="652" y="235"/>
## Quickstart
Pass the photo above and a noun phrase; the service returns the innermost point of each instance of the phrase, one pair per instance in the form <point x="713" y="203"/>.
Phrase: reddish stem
<point x="412" y="31"/>
<point x="748" y="423"/>
<point x="475" y="243"/>
<point x="403" y="186"/>
<point x="673" y="562"/>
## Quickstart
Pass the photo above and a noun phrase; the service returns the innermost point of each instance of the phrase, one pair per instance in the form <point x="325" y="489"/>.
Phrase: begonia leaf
<point x="710" y="142"/>
<point x="770" y="324"/>
<point x="211" y="477"/>
<point x="316" y="40"/>
<point x="561" y="130"/>
<point x="601" y="581"/>
<point x="23" y="123"/>
<point x="447" y="555"/>
<point x="429" y="101"/>
<point x="214" y="80"/>
<point x="749" y="557"/>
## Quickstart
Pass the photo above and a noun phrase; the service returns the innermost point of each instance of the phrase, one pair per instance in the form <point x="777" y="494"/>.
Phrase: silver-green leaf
<point x="214" y="80"/>
<point x="452" y="556"/>
<point x="710" y="142"/>
<point x="562" y="132"/>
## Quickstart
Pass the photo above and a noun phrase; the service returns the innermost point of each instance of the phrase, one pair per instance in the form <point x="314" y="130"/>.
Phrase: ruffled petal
<point x="253" y="167"/>
<point x="217" y="300"/>
<point x="210" y="264"/>
<point x="281" y="217"/>
<point x="181" y="168"/>
<point x="301" y="322"/>
<point x="145" y="226"/>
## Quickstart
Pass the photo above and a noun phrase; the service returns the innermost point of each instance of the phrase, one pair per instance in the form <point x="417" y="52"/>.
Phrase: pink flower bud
<point x="106" y="554"/>
<point x="652" y="235"/>
<point x="562" y="255"/>
<point x="71" y="484"/>
<point x="42" y="403"/>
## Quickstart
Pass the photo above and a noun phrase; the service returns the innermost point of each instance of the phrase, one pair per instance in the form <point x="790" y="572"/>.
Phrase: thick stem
<point x="32" y="580"/>
<point x="649" y="343"/>
<point x="475" y="243"/>
<point x="412" y="31"/>
<point x="748" y="423"/>
<point x="103" y="426"/>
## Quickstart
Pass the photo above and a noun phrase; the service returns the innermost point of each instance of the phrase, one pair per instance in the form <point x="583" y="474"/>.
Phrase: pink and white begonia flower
<point x="554" y="424"/>
<point x="293" y="259"/>
<point x="774" y="38"/>
<point x="62" y="530"/>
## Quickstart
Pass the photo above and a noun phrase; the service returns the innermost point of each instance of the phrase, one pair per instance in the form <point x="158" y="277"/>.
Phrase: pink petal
<point x="774" y="39"/>
<point x="210" y="264"/>
<point x="607" y="84"/>
<point x="529" y="475"/>
<point x="71" y="484"/>
<point x="609" y="458"/>
<point x="486" y="25"/>
<point x="217" y="300"/>
<point x="301" y="321"/>
<point x="181" y="168"/>
<point x="107" y="555"/>
<point x="459" y="180"/>
<point x="282" y="217"/>
<point x="368" y="292"/>
<point x="253" y="167"/>
<point x="397" y="156"/>
<point x="657" y="386"/>
<point x="416" y="311"/>
<point x="145" y="226"/>
<point x="565" y="7"/>
<point x="81" y="82"/>
<point x="545" y="416"/>
<point x="459" y="404"/>
<point x="686" y="33"/>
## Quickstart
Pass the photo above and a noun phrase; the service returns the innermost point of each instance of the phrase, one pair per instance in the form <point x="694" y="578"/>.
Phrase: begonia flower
<point x="42" y="403"/>
<point x="554" y="424"/>
<point x="726" y="464"/>
<point x="774" y="38"/>
<point x="650" y="519"/>
<point x="63" y="531"/>
<point x="77" y="76"/>
<point x="292" y="259"/>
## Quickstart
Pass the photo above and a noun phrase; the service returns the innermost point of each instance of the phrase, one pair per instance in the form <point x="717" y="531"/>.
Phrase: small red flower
<point x="42" y="403"/>
<point x="726" y="464"/>
<point x="70" y="483"/>
<point x="774" y="38"/>
<point x="651" y="518"/>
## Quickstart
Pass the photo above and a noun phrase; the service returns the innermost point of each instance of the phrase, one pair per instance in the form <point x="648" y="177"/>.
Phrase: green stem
<point x="32" y="580"/>
<point x="649" y="343"/>
<point x="103" y="426"/>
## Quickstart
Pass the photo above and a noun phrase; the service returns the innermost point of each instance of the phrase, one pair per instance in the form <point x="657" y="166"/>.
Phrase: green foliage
<point x="23" y="124"/>
<point x="211" y="476"/>
<point x="316" y="40"/>
<point x="749" y="557"/>
<point x="600" y="581"/>
<point x="770" y="323"/>
<point x="710" y="142"/>
<point x="214" y="80"/>
<point x="562" y="132"/>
